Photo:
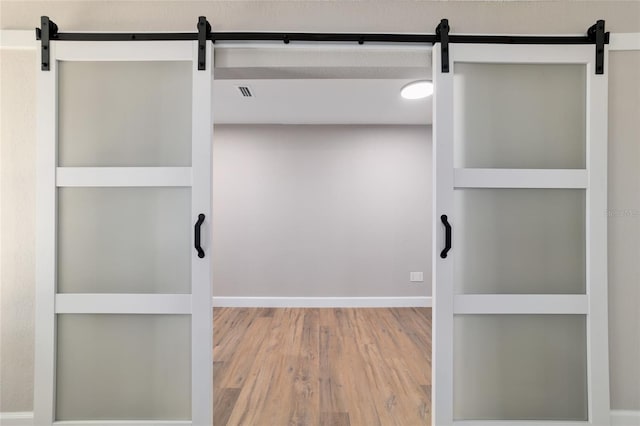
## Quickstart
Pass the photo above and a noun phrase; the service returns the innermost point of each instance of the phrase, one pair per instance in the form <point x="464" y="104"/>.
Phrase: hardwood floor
<point x="326" y="367"/>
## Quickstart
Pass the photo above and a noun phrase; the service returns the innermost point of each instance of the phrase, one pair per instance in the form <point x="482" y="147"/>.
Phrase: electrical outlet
<point x="416" y="277"/>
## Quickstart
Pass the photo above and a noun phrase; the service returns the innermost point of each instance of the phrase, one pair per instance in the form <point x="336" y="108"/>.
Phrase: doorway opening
<point x="322" y="182"/>
<point x="342" y="207"/>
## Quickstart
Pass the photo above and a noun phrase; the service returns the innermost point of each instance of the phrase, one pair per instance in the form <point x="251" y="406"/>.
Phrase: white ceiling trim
<point x="351" y="56"/>
<point x="18" y="39"/>
<point x="624" y="41"/>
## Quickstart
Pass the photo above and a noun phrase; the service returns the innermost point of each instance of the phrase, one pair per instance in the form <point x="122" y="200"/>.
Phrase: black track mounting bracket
<point x="204" y="34"/>
<point x="597" y="34"/>
<point x="47" y="31"/>
<point x="442" y="36"/>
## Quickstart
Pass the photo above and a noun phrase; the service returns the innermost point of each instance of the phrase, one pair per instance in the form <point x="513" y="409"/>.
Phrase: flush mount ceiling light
<point x="417" y="90"/>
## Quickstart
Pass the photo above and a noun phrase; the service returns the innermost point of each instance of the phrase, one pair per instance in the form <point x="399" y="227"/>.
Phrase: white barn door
<point x="520" y="318"/>
<point x="123" y="322"/>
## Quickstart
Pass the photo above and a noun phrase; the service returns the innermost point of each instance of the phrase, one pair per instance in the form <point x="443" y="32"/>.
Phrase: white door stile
<point x="202" y="314"/>
<point x="123" y="176"/>
<point x="442" y="349"/>
<point x="50" y="177"/>
<point x="46" y="214"/>
<point x="596" y="224"/>
<point x="592" y="304"/>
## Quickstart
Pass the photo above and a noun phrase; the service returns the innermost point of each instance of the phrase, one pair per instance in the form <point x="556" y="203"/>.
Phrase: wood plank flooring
<point x="325" y="367"/>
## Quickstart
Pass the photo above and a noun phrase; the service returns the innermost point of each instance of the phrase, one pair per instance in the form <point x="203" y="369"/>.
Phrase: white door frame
<point x="50" y="177"/>
<point x="593" y="304"/>
<point x="593" y="179"/>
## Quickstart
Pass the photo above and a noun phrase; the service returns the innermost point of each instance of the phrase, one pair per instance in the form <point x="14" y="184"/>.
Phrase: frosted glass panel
<point x="124" y="240"/>
<point x="519" y="241"/>
<point x="123" y="367"/>
<point x="520" y="367"/>
<point x="124" y="114"/>
<point x="519" y="116"/>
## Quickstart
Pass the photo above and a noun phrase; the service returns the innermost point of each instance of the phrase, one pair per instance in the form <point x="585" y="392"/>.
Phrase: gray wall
<point x="624" y="229"/>
<point x="18" y="136"/>
<point x="17" y="223"/>
<point x="305" y="211"/>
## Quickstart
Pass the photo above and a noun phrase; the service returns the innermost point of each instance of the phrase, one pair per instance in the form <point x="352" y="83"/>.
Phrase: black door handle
<point x="447" y="236"/>
<point x="197" y="235"/>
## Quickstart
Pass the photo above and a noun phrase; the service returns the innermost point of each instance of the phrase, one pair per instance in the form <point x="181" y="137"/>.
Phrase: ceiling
<point x="318" y="101"/>
<point x="319" y="84"/>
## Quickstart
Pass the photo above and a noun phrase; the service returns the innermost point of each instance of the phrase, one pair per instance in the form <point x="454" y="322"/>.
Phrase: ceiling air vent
<point x="245" y="91"/>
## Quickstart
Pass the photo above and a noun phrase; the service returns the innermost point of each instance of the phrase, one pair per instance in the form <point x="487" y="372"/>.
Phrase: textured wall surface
<point x="335" y="211"/>
<point x="17" y="228"/>
<point x="554" y="17"/>
<point x="624" y="229"/>
<point x="465" y="16"/>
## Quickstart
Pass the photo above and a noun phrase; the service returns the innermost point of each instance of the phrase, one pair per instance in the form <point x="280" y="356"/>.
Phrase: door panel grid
<point x="116" y="255"/>
<point x="529" y="235"/>
<point x="450" y="307"/>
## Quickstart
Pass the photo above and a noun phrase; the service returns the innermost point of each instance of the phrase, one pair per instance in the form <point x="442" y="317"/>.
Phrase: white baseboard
<point x="618" y="418"/>
<point x="322" y="302"/>
<point x="625" y="417"/>
<point x="22" y="418"/>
